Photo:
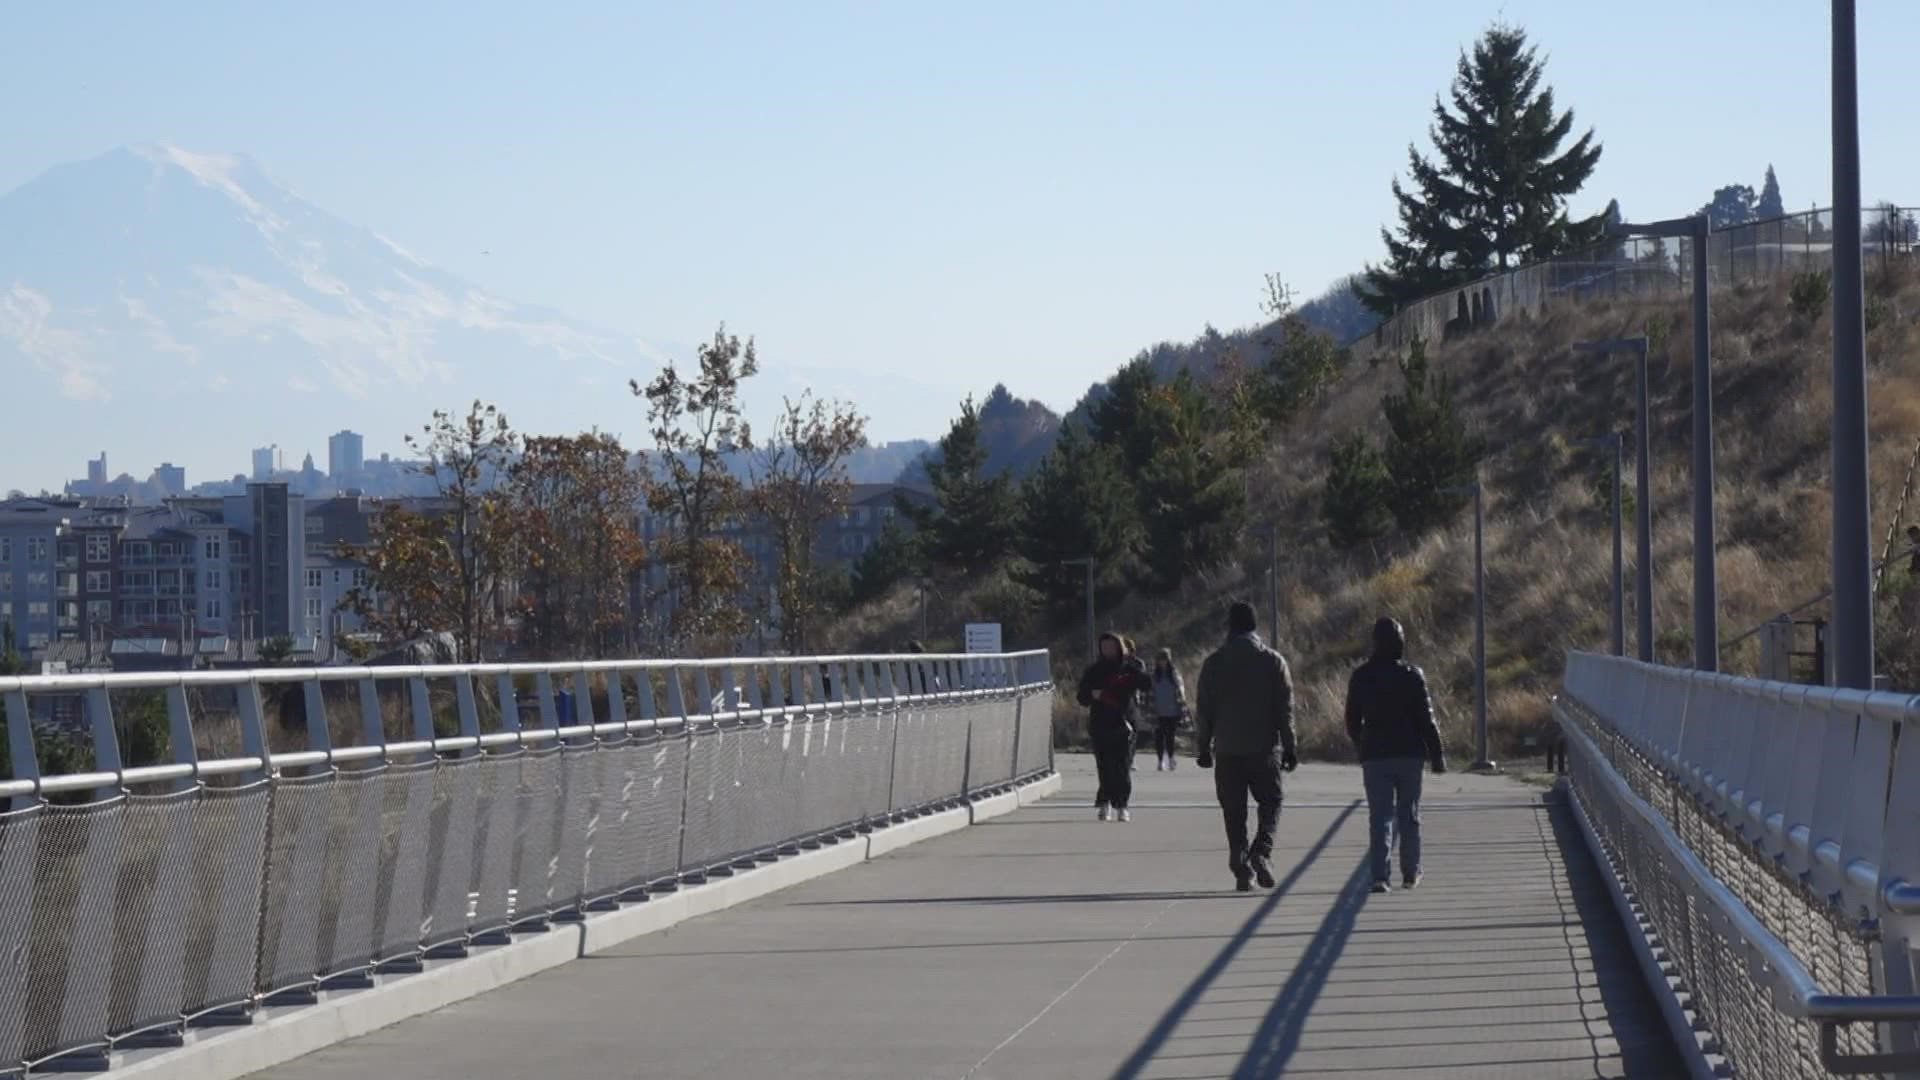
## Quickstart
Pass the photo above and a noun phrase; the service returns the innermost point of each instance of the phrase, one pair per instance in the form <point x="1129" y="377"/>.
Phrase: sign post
<point x="982" y="638"/>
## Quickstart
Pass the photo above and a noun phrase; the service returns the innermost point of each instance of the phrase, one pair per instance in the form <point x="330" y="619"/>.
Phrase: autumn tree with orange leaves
<point x="800" y="483"/>
<point x="571" y="502"/>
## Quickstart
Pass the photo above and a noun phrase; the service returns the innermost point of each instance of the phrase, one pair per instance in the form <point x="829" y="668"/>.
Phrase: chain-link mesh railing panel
<point x="1714" y="965"/>
<point x="616" y="839"/>
<point x="825" y="780"/>
<point x="712" y="776"/>
<point x="453" y="849"/>
<point x="350" y="895"/>
<point x="405" y="859"/>
<point x="498" y="817"/>
<point x="910" y="766"/>
<point x="777" y="770"/>
<point x="1036" y="732"/>
<point x="536" y="841"/>
<point x="660" y="825"/>
<point x="69" y="963"/>
<point x="221" y="919"/>
<point x="147" y="948"/>
<point x="582" y="768"/>
<point x="19" y="860"/>
<point x="991" y="742"/>
<point x="865" y="752"/>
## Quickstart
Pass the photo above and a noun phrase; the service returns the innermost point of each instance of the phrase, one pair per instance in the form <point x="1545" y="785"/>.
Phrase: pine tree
<point x="1119" y="417"/>
<point x="1355" y="505"/>
<point x="1192" y="497"/>
<point x="1771" y="205"/>
<point x="893" y="558"/>
<point x="1429" y="449"/>
<point x="974" y="523"/>
<point x="1078" y="504"/>
<point x="1497" y="195"/>
<point x="1735" y="204"/>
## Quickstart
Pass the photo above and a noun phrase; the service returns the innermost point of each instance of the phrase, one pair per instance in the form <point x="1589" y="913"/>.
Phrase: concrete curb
<point x="279" y="1035"/>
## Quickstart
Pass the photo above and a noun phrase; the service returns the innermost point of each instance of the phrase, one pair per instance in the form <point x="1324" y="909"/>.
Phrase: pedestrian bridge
<point x="876" y="867"/>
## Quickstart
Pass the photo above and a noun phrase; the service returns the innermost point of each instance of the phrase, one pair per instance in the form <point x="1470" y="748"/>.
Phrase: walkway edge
<point x="280" y="1035"/>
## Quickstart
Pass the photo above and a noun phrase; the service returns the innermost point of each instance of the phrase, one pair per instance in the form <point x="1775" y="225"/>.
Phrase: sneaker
<point x="1263" y="873"/>
<point x="1103" y="813"/>
<point x="1127" y="815"/>
<point x="1160" y="766"/>
<point x="1412" y="881"/>
<point x="1242" y="883"/>
<point x="1381" y="886"/>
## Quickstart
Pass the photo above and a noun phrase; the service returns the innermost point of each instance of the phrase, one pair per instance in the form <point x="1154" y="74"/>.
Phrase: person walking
<point x="1169" y="707"/>
<point x="1107" y="689"/>
<point x="1390" y="720"/>
<point x="1135" y="706"/>
<point x="1244" y="719"/>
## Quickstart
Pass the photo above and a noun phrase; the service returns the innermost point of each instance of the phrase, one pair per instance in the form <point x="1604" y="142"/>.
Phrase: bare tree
<point x="800" y="483"/>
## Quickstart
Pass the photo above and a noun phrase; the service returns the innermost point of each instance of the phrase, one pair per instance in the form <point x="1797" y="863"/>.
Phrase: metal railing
<point x="1765" y="838"/>
<point x="1753" y="251"/>
<point x="136" y="900"/>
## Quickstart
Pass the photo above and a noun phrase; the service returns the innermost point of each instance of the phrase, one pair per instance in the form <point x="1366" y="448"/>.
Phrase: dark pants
<point x="1236" y="776"/>
<point x="1163" y="730"/>
<point x="1113" y="757"/>
<point x="1393" y="804"/>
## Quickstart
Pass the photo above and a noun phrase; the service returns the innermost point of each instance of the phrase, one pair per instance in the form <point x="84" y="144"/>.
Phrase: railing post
<point x="24" y="755"/>
<point x="106" y="741"/>
<point x="677" y="704"/>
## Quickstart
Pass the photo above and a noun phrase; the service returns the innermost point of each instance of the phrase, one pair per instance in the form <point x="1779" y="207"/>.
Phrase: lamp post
<point x="1706" y="617"/>
<point x="1617" y="617"/>
<point x="1642" y="481"/>
<point x="1273" y="579"/>
<point x="1093" y="635"/>
<point x="1483" y="761"/>
<point x="1852" y="545"/>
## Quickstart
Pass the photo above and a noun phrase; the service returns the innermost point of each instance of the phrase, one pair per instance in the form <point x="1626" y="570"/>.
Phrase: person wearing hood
<point x="1244" y="715"/>
<point x="1390" y="720"/>
<point x="1107" y="690"/>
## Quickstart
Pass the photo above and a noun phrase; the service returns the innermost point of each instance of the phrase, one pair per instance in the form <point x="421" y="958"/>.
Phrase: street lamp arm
<point x="1672" y="227"/>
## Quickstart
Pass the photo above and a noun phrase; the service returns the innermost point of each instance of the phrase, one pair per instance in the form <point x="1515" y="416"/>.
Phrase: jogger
<point x="1390" y="720"/>
<point x="1245" y="715"/>
<point x="1107" y="690"/>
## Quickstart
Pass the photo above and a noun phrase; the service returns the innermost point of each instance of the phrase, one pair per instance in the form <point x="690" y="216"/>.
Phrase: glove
<point x="1288" y="761"/>
<point x="1439" y="766"/>
<point x="1204" y="758"/>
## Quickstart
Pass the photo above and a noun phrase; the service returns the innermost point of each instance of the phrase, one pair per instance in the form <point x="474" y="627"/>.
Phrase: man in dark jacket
<point x="1390" y="720"/>
<point x="1107" y="690"/>
<point x="1243" y="722"/>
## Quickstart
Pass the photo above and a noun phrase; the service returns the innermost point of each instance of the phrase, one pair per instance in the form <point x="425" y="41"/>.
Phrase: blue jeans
<point x="1393" y="803"/>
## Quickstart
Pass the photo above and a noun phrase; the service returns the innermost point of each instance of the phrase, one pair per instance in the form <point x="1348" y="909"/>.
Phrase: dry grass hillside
<point x="1548" y="541"/>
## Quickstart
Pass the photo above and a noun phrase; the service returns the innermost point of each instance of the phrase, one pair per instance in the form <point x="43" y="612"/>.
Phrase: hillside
<point x="1548" y="545"/>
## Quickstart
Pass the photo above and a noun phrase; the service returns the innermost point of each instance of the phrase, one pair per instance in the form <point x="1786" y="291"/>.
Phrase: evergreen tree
<point x="1429" y="449"/>
<point x="1497" y="195"/>
<point x="1077" y="504"/>
<point x="1771" y="205"/>
<point x="1302" y="363"/>
<point x="1355" y="506"/>
<point x="974" y="523"/>
<point x="1192" y="495"/>
<point x="893" y="558"/>
<point x="1119" y="417"/>
<point x="1734" y="204"/>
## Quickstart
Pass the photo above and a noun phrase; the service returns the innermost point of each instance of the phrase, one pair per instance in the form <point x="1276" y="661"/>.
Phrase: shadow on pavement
<point x="1168" y="1023"/>
<point x="1278" y="1036"/>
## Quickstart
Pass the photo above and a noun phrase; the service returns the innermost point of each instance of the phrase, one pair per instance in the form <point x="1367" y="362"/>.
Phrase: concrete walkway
<point x="1046" y="944"/>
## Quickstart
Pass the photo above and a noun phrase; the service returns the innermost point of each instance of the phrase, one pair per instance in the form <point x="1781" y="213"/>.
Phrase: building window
<point x="36" y="640"/>
<point x="6" y="581"/>
<point x="99" y="581"/>
<point x="99" y="547"/>
<point x="212" y="549"/>
<point x="39" y="580"/>
<point x="6" y="549"/>
<point x="69" y="583"/>
<point x="6" y="609"/>
<point x="165" y="551"/>
<point x="36" y="549"/>
<point x="211" y="578"/>
<point x="359" y="579"/>
<point x="134" y="580"/>
<point x="313" y="609"/>
<point x="69" y="551"/>
<point x="314" y="579"/>
<point x="99" y="611"/>
<point x="37" y="609"/>
<point x="213" y="609"/>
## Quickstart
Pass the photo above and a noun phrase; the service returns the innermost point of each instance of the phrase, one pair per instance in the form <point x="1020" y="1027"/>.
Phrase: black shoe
<point x="1263" y="873"/>
<point x="1381" y="886"/>
<point x="1411" y="881"/>
<point x="1242" y="883"/>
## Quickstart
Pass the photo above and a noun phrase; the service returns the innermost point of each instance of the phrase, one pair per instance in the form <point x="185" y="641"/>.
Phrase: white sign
<point x="983" y="637"/>
<point x="53" y="667"/>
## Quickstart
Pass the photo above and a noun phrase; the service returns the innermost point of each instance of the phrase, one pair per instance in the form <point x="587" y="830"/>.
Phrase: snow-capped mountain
<point x="152" y="291"/>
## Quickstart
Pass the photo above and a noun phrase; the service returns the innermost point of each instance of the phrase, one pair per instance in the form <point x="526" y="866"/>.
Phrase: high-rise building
<point x="345" y="455"/>
<point x="97" y="469"/>
<point x="266" y="462"/>
<point x="171" y="478"/>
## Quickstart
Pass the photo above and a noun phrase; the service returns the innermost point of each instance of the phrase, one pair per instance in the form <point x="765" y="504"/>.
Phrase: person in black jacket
<point x="1390" y="720"/>
<point x="1245" y="715"/>
<point x="1107" y="690"/>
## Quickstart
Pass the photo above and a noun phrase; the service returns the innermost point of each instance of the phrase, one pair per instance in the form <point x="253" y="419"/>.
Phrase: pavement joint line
<point x="1075" y="985"/>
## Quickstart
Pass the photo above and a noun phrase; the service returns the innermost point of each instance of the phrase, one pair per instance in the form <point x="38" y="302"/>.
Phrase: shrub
<point x="1810" y="293"/>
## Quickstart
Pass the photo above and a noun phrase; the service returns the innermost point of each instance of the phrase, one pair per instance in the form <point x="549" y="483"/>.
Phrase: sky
<point x="911" y="202"/>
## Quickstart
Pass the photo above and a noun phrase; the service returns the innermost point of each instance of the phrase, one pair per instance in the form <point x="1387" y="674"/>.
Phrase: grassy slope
<point x="1548" y="545"/>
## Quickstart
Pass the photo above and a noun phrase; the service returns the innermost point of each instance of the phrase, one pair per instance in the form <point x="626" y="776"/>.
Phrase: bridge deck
<point x="1046" y="944"/>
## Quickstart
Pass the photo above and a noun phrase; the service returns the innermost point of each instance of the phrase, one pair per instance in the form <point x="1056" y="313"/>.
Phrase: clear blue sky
<point x="922" y="199"/>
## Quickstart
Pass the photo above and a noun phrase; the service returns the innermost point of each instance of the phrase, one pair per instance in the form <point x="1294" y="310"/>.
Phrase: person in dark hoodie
<point x="1245" y="717"/>
<point x="1107" y="690"/>
<point x="1390" y="720"/>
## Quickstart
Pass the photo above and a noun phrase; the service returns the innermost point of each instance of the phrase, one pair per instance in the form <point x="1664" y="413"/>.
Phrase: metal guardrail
<point x="1765" y="838"/>
<point x="191" y="892"/>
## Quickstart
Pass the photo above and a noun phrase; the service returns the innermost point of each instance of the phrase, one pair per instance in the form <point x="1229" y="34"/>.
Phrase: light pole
<point x="1093" y="635"/>
<point x="1483" y="760"/>
<point x="1273" y="579"/>
<point x="1706" y="617"/>
<point x="1852" y="545"/>
<point x="1617" y="616"/>
<point x="1642" y="483"/>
